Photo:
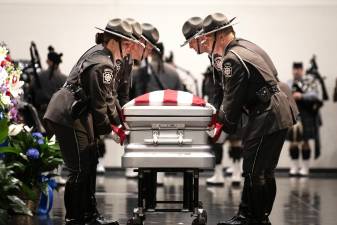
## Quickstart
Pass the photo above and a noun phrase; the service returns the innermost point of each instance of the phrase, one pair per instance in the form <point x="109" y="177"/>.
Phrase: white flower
<point x="52" y="140"/>
<point x="15" y="84"/>
<point x="6" y="100"/>
<point x="3" y="75"/>
<point x="27" y="128"/>
<point x="16" y="88"/>
<point x="3" y="53"/>
<point x="15" y="129"/>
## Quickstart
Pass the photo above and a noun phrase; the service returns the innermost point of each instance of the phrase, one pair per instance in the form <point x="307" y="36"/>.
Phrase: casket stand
<point x="168" y="137"/>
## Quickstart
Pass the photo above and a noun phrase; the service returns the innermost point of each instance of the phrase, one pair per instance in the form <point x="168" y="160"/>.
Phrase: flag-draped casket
<point x="168" y="130"/>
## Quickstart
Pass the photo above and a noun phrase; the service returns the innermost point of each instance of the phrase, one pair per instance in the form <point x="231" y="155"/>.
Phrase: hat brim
<point x="203" y="33"/>
<point x="122" y="36"/>
<point x="190" y="39"/>
<point x="147" y="40"/>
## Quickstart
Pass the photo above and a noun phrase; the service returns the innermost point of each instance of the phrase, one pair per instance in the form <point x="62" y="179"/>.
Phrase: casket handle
<point x="179" y="139"/>
<point x="168" y="141"/>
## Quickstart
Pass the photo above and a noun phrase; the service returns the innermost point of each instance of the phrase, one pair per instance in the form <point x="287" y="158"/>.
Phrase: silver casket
<point x="167" y="137"/>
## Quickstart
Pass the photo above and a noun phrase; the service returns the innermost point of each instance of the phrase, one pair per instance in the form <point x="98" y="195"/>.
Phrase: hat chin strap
<point x="120" y="48"/>
<point x="212" y="54"/>
<point x="214" y="42"/>
<point x="198" y="45"/>
<point x="144" y="49"/>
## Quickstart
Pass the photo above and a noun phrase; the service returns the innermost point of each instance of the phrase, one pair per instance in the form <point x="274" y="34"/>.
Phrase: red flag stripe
<point x="143" y="99"/>
<point x="197" y="101"/>
<point x="170" y="97"/>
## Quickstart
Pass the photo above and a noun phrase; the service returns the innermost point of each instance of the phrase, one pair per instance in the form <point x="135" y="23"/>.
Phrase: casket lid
<point x="168" y="111"/>
<point x="168" y="103"/>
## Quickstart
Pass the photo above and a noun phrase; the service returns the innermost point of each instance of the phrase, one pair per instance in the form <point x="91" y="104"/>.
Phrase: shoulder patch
<point x="227" y="69"/>
<point x="107" y="76"/>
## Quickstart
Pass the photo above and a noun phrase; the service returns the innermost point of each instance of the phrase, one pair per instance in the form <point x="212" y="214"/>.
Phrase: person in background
<point x="305" y="91"/>
<point x="50" y="81"/>
<point x="152" y="75"/>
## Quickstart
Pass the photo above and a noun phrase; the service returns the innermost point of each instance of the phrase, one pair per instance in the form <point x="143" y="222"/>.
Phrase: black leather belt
<point x="264" y="95"/>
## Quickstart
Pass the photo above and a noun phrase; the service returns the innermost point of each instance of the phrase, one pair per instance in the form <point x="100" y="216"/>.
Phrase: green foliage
<point x="3" y="129"/>
<point x="29" y="169"/>
<point x="9" y="202"/>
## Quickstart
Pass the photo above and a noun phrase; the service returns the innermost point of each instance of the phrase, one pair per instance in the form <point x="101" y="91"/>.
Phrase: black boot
<point x="92" y="216"/>
<point x="241" y="216"/>
<point x="259" y="201"/>
<point x="235" y="220"/>
<point x="73" y="201"/>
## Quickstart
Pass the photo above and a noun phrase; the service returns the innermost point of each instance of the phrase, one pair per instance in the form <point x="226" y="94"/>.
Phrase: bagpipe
<point x="313" y="71"/>
<point x="304" y="86"/>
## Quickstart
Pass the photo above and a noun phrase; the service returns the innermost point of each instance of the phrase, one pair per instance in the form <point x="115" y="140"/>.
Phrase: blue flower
<point x="1" y="115"/>
<point x="2" y="156"/>
<point x="37" y="135"/>
<point x="32" y="153"/>
<point x="40" y="141"/>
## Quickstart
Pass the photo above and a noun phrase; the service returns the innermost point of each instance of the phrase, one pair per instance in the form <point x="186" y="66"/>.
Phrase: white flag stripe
<point x="156" y="98"/>
<point x="184" y="98"/>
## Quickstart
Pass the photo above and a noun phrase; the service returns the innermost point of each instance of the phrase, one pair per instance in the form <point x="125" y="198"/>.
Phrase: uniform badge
<point x="218" y="63"/>
<point x="107" y="76"/>
<point x="227" y="70"/>
<point x="118" y="66"/>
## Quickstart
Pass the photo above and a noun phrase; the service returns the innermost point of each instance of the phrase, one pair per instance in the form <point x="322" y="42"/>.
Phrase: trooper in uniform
<point x="84" y="109"/>
<point x="251" y="87"/>
<point x="212" y="90"/>
<point x="307" y="96"/>
<point x="122" y="82"/>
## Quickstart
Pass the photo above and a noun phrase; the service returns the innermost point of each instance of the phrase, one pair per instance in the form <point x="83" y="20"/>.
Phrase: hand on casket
<point x="118" y="134"/>
<point x="216" y="133"/>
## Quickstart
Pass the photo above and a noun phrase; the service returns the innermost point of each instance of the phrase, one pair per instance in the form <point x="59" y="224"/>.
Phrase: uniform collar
<point x="231" y="44"/>
<point x="107" y="51"/>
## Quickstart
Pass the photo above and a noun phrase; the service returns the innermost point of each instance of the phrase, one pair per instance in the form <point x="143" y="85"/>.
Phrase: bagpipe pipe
<point x="30" y="71"/>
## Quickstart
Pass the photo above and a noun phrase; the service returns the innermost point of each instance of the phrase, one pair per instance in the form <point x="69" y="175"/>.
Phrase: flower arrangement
<point x="10" y="84"/>
<point x="30" y="156"/>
